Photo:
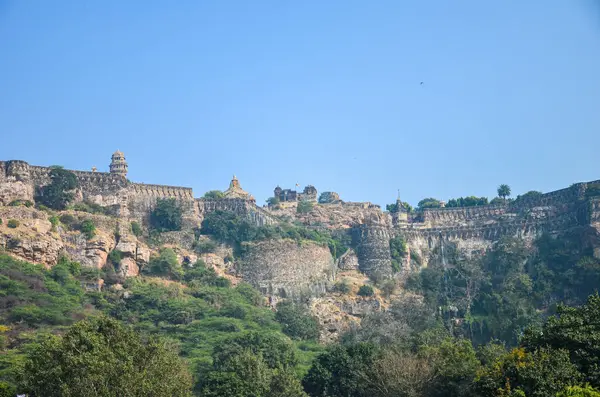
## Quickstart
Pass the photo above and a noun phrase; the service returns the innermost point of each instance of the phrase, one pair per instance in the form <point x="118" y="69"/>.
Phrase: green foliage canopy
<point x="101" y="357"/>
<point x="167" y="215"/>
<point x="59" y="193"/>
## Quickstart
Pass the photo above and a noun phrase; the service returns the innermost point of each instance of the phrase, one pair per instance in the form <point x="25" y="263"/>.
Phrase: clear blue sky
<point x="311" y="92"/>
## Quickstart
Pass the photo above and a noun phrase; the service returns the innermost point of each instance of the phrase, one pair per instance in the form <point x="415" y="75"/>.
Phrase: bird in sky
<point x="421" y="83"/>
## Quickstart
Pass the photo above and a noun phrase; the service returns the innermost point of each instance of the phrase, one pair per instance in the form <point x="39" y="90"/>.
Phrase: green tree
<point x="342" y="371"/>
<point x="297" y="323"/>
<point x="454" y="364"/>
<point x="504" y="191"/>
<point x="579" y="391"/>
<point x="471" y="201"/>
<point x="541" y="373"/>
<point x="577" y="331"/>
<point x="273" y="201"/>
<point x="255" y="364"/>
<point x="101" y="357"/>
<point x="429" y="202"/>
<point x="214" y="195"/>
<point x="167" y="215"/>
<point x="59" y="193"/>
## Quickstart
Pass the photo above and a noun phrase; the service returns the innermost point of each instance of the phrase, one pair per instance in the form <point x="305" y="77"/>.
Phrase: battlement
<point x="162" y="191"/>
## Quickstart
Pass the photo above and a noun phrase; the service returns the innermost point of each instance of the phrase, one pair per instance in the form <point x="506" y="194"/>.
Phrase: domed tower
<point x="118" y="165"/>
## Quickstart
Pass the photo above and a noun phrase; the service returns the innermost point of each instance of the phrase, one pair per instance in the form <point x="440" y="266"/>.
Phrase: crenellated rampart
<point x="162" y="191"/>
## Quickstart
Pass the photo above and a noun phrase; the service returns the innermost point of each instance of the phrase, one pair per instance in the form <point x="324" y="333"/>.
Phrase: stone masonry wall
<point x="287" y="269"/>
<point x="373" y="249"/>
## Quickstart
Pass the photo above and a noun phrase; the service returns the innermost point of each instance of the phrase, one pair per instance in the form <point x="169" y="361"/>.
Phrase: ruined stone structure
<point x="287" y="195"/>
<point x="329" y="198"/>
<point x="126" y="199"/>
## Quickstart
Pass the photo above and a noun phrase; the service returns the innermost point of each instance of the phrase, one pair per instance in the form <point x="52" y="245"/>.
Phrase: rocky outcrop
<point x="135" y="255"/>
<point x="15" y="190"/>
<point x="286" y="268"/>
<point x="90" y="253"/>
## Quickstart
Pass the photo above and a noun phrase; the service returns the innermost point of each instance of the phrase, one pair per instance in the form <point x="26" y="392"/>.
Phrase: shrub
<point x="67" y="220"/>
<point x="136" y="229"/>
<point x="304" y="207"/>
<point x="366" y="290"/>
<point x="205" y="246"/>
<point x="17" y="203"/>
<point x="296" y="321"/>
<point x="88" y="228"/>
<point x="343" y="287"/>
<point x="0" y="221"/>
<point x="13" y="223"/>
<point x="388" y="287"/>
<point x="42" y="207"/>
<point x="199" y="273"/>
<point x="54" y="221"/>
<point x="90" y="207"/>
<point x="166" y="264"/>
<point x="167" y="216"/>
<point x="115" y="257"/>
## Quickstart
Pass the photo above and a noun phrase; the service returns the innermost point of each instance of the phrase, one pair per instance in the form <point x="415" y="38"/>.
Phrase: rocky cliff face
<point x="287" y="269"/>
<point x="37" y="240"/>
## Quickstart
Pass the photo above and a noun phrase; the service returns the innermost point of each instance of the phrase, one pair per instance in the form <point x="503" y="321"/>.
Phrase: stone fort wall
<point x="525" y="218"/>
<point x="126" y="199"/>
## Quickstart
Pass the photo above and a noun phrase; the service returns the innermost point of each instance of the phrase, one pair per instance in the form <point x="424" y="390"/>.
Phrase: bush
<point x="199" y="273"/>
<point x="296" y="321"/>
<point x="205" y="246"/>
<point x="166" y="264"/>
<point x="304" y="207"/>
<point x="366" y="290"/>
<point x="67" y="220"/>
<point x="115" y="257"/>
<point x="54" y="221"/>
<point x="13" y="223"/>
<point x="388" y="287"/>
<point x="343" y="287"/>
<point x="88" y="228"/>
<point x="136" y="229"/>
<point x="167" y="216"/>
<point x="17" y="203"/>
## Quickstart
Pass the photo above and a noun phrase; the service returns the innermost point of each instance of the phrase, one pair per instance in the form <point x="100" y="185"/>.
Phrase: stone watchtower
<point x="118" y="165"/>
